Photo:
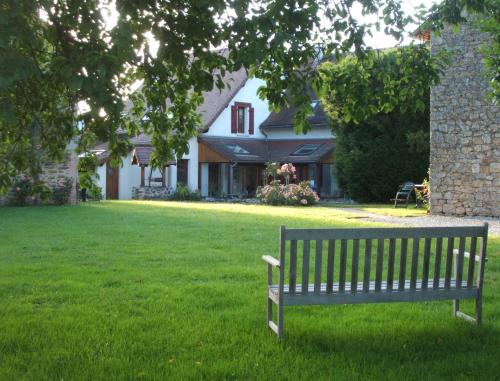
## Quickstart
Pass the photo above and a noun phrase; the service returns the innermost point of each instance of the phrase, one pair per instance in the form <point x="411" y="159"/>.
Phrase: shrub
<point x="62" y="191"/>
<point x="182" y="193"/>
<point x="373" y="158"/>
<point x="22" y="189"/>
<point x="87" y="173"/>
<point x="424" y="194"/>
<point x="276" y="193"/>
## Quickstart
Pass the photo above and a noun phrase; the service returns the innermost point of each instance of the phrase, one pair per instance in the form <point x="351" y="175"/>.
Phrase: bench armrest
<point x="467" y="255"/>
<point x="271" y="261"/>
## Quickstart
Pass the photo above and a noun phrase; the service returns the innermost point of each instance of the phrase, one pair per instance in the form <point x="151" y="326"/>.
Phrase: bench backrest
<point x="397" y="258"/>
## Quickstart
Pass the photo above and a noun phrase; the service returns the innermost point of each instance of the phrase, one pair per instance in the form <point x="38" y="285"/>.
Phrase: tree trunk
<point x="35" y="165"/>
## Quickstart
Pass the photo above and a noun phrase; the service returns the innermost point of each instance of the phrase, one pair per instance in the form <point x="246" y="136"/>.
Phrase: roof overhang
<point x="260" y="151"/>
<point x="142" y="156"/>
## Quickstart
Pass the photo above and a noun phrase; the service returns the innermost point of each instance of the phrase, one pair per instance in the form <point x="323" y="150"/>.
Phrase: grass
<point x="385" y="209"/>
<point x="157" y="291"/>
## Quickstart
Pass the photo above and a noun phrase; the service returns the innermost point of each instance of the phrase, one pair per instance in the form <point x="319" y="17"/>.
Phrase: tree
<point x="56" y="54"/>
<point x="382" y="139"/>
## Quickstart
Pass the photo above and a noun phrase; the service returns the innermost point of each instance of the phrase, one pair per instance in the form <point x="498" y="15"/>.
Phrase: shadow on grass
<point x="448" y="348"/>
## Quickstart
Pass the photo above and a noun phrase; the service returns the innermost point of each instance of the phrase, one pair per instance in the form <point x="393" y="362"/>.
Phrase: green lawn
<point x="167" y="291"/>
<point x="384" y="209"/>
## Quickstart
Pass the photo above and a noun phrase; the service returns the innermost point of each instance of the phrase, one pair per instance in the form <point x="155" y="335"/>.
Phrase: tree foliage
<point x="56" y="54"/>
<point x="382" y="136"/>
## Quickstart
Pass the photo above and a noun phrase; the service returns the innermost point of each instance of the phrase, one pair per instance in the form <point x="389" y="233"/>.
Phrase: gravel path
<point x="494" y="223"/>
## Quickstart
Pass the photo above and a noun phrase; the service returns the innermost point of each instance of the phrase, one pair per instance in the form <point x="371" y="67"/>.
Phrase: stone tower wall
<point x="465" y="132"/>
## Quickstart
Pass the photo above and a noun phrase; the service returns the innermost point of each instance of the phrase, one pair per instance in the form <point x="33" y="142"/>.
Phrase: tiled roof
<point x="228" y="147"/>
<point x="142" y="156"/>
<point x="244" y="150"/>
<point x="284" y="118"/>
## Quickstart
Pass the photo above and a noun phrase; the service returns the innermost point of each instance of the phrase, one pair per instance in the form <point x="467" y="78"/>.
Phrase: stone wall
<point x="151" y="193"/>
<point x="465" y="132"/>
<point x="53" y="173"/>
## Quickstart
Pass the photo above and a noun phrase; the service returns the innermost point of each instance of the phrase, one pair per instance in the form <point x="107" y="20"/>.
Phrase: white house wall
<point x="248" y="94"/>
<point x="101" y="181"/>
<point x="192" y="158"/>
<point x="130" y="176"/>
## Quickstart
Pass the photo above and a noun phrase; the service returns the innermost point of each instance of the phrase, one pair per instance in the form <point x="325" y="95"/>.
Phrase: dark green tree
<point x="379" y="147"/>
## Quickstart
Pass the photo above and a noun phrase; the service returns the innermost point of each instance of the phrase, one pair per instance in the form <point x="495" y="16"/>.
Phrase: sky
<point x="378" y="41"/>
<point x="381" y="40"/>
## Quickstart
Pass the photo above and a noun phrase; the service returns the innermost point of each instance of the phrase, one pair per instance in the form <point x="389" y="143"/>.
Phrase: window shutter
<point x="234" y="114"/>
<point x="250" y="123"/>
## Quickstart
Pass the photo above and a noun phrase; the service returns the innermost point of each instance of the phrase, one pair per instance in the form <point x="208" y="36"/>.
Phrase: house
<point x="227" y="158"/>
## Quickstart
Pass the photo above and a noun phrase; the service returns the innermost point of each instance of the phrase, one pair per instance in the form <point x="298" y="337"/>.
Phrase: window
<point x="241" y="120"/>
<point x="306" y="150"/>
<point x="237" y="149"/>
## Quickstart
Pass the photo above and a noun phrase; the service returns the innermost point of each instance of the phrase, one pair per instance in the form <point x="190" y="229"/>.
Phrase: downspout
<point x="264" y="178"/>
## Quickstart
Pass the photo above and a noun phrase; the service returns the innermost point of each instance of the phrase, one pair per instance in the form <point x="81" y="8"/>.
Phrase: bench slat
<point x="367" y="269"/>
<point x="472" y="261"/>
<point x="379" y="264"/>
<point x="414" y="264"/>
<point x="402" y="263"/>
<point x="390" y="263"/>
<point x="330" y="262"/>
<point x="449" y="262"/>
<point x="427" y="259"/>
<point x="459" y="268"/>
<point x="348" y="287"/>
<point x="317" y="266"/>
<point x="305" y="266"/>
<point x="293" y="266"/>
<point x="354" y="267"/>
<point x="437" y="263"/>
<point x="343" y="264"/>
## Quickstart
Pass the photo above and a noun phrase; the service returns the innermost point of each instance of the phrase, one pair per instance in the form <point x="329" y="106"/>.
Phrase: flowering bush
<point x="276" y="193"/>
<point x="287" y="171"/>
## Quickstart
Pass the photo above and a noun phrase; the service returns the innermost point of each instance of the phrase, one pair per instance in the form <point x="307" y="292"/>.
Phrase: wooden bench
<point x="377" y="265"/>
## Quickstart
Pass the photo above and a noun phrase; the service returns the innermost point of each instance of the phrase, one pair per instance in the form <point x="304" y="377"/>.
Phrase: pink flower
<point x="303" y="201"/>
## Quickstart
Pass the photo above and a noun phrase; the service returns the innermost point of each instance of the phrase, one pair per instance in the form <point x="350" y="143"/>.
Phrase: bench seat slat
<point x="372" y="287"/>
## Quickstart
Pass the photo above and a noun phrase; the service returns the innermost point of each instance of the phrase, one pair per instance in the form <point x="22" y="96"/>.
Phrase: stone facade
<point x="465" y="132"/>
<point x="53" y="173"/>
<point x="151" y="193"/>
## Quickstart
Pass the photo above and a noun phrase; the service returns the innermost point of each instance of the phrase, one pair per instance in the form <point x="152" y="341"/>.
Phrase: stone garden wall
<point x="151" y="193"/>
<point x="53" y="173"/>
<point x="465" y="132"/>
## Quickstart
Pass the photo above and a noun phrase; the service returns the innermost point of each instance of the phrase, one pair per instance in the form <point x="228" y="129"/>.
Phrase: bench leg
<point x="276" y="328"/>
<point x="479" y="309"/>
<point x="456" y="306"/>
<point x="468" y="318"/>
<point x="280" y="320"/>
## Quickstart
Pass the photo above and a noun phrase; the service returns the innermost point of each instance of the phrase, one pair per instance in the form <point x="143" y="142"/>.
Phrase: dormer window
<point x="242" y="116"/>
<point x="306" y="150"/>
